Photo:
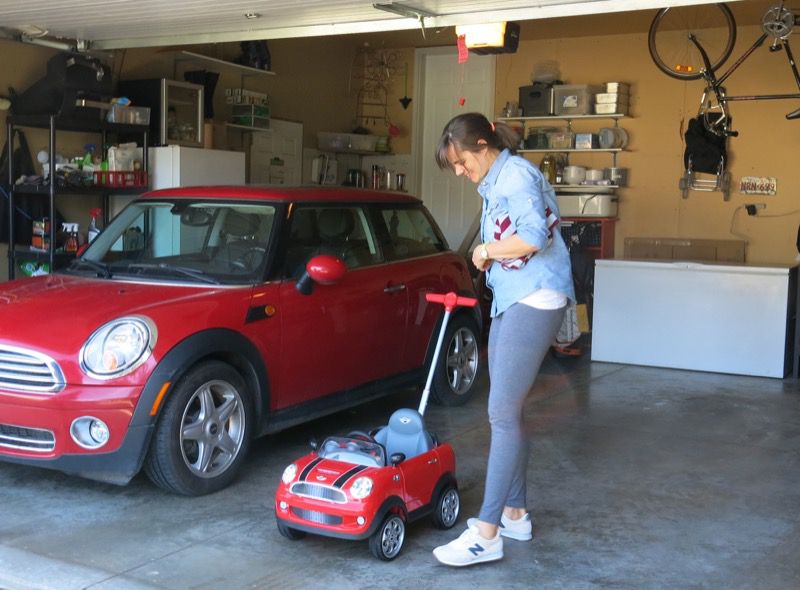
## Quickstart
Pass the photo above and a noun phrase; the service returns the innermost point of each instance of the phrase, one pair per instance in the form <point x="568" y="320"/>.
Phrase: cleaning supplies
<point x="92" y="231"/>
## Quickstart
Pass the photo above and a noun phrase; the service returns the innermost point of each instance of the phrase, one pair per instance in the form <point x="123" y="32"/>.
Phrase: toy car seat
<point x="405" y="434"/>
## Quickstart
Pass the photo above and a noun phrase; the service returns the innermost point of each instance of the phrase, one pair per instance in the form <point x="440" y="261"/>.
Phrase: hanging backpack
<point x="705" y="149"/>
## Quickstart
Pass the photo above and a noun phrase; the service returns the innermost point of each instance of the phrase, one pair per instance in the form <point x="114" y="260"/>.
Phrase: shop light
<point x="502" y="37"/>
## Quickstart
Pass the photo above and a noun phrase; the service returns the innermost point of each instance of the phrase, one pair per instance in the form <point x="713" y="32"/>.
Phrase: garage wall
<point x="312" y="86"/>
<point x="652" y="206"/>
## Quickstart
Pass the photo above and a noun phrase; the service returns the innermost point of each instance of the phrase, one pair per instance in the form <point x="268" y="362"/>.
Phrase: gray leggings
<point x="518" y="340"/>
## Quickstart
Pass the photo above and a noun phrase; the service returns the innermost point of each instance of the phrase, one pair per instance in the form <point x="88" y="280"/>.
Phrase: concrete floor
<point x="639" y="478"/>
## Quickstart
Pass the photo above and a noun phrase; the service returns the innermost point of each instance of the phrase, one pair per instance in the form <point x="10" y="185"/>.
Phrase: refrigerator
<point x="174" y="165"/>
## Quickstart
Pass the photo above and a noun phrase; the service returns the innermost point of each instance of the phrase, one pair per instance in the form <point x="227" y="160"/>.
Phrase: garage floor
<point x="640" y="478"/>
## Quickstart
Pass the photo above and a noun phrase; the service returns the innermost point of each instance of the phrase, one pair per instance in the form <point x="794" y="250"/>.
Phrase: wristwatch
<point x="484" y="252"/>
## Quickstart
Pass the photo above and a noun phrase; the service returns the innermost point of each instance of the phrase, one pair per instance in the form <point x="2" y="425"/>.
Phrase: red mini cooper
<point x="203" y="317"/>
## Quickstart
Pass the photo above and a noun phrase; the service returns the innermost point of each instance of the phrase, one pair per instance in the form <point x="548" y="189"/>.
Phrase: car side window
<point x="342" y="231"/>
<point x="411" y="233"/>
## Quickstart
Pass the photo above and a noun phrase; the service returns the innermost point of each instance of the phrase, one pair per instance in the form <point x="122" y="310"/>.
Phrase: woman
<point x="528" y="270"/>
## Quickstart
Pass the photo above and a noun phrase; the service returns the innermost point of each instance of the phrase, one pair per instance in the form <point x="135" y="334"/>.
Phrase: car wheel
<point x="386" y="542"/>
<point x="289" y="532"/>
<point x="203" y="433"/>
<point x="448" y="507"/>
<point x="457" y="367"/>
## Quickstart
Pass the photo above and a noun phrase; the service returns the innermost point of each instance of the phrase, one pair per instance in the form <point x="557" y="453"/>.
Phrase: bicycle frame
<point x="720" y="123"/>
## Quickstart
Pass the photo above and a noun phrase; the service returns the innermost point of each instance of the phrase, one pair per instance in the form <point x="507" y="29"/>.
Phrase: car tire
<point x="456" y="373"/>
<point x="387" y="541"/>
<point x="448" y="507"/>
<point x="203" y="433"/>
<point x="289" y="532"/>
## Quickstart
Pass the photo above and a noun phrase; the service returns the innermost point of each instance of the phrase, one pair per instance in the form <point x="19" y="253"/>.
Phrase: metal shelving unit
<point x="54" y="124"/>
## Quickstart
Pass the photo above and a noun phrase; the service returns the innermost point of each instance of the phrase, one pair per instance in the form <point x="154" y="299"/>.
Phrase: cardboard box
<point x="685" y="249"/>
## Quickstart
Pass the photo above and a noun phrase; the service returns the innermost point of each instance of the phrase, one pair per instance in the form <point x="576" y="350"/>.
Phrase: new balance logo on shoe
<point x="475" y="549"/>
<point x="470" y="548"/>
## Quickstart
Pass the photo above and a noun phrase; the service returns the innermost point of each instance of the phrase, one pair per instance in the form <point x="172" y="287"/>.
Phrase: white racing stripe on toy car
<point x="348" y="475"/>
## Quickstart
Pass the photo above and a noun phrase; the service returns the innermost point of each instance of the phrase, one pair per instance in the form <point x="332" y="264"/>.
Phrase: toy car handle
<point x="451" y="300"/>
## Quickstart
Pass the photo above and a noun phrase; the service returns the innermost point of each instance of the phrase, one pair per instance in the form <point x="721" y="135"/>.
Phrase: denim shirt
<point x="515" y="188"/>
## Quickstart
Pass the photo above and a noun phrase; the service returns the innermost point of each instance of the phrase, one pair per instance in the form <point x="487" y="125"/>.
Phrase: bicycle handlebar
<point x="451" y="300"/>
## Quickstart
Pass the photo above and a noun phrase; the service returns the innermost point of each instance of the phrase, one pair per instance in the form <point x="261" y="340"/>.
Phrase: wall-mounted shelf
<point x="190" y="56"/>
<point x="563" y="150"/>
<point x="562" y="117"/>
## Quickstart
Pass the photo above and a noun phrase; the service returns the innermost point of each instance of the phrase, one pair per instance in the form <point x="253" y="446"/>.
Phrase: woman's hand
<point x="478" y="259"/>
<point x="510" y="247"/>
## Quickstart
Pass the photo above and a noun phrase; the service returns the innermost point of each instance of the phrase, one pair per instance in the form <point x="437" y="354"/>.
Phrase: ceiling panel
<point x="108" y="24"/>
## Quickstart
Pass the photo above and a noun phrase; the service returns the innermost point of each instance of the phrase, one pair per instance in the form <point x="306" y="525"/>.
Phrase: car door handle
<point x="433" y="461"/>
<point x="394" y="288"/>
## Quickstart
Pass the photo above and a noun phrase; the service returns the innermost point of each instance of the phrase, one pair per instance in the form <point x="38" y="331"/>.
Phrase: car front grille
<point x="29" y="439"/>
<point x="312" y="490"/>
<point x="26" y="370"/>
<point x="317" y="517"/>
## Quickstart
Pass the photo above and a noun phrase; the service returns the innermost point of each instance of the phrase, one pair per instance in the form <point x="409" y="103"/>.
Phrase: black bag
<point x="705" y="148"/>
<point x="27" y="207"/>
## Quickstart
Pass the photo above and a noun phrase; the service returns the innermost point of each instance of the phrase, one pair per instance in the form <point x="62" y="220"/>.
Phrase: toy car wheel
<point x="386" y="542"/>
<point x="457" y="370"/>
<point x="448" y="507"/>
<point x="289" y="532"/>
<point x="203" y="433"/>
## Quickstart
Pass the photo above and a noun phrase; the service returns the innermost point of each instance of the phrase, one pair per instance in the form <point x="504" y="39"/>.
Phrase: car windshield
<point x="352" y="450"/>
<point x="205" y="241"/>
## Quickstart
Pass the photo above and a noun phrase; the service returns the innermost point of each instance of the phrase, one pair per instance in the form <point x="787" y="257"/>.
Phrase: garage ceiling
<point x="112" y="24"/>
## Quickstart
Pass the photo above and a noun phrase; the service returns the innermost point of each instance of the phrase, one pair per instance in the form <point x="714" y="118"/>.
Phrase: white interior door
<point x="440" y="82"/>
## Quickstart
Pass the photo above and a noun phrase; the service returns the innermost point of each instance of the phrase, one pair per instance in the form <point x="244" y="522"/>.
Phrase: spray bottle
<point x="92" y="232"/>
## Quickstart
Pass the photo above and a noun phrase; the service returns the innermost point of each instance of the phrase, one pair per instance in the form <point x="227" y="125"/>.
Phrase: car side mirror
<point x="323" y="269"/>
<point x="397" y="458"/>
<point x="314" y="444"/>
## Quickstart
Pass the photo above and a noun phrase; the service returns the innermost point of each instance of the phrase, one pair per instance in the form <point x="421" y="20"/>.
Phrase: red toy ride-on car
<point x="368" y="486"/>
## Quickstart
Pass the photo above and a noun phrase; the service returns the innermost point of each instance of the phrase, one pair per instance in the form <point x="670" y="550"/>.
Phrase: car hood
<point x="315" y="469"/>
<point x="59" y="312"/>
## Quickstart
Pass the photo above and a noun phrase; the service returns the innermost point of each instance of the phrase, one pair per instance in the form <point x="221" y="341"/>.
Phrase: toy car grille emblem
<point x="321" y="478"/>
<point x="405" y="420"/>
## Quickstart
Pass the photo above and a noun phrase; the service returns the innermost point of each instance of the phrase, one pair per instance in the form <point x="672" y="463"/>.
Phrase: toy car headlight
<point x="361" y="488"/>
<point x="118" y="347"/>
<point x="289" y="474"/>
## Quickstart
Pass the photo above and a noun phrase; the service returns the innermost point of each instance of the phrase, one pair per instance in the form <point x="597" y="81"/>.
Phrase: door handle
<point x="394" y="288"/>
<point x="433" y="461"/>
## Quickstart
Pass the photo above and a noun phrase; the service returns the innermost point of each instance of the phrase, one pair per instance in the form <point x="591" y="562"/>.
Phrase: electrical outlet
<point x="753" y="208"/>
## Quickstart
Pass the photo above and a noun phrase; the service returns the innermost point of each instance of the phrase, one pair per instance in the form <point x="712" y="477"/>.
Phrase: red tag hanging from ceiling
<point x="463" y="52"/>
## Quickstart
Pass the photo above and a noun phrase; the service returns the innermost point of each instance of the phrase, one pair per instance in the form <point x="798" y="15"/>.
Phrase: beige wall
<point x="312" y="85"/>
<point x="652" y="206"/>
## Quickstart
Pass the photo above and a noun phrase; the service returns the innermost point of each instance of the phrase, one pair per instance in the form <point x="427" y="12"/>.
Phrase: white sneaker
<point x="520" y="529"/>
<point x="470" y="548"/>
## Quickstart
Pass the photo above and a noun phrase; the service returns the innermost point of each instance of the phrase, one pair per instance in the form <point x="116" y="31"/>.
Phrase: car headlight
<point x="289" y="473"/>
<point x="118" y="347"/>
<point x="361" y="488"/>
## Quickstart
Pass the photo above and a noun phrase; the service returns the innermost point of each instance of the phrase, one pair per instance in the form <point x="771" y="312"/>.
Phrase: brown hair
<point x="464" y="132"/>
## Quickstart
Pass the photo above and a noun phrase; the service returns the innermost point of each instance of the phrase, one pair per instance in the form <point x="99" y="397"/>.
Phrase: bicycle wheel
<point x="668" y="41"/>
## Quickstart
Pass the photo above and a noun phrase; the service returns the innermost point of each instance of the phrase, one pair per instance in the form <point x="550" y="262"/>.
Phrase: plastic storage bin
<point x="574" y="99"/>
<point x="561" y="140"/>
<point x="250" y="115"/>
<point x="129" y="115"/>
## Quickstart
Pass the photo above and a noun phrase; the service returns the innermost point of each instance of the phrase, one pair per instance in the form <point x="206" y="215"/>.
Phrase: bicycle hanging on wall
<point x="692" y="42"/>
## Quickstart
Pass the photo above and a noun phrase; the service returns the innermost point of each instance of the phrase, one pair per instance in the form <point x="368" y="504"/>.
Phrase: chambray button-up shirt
<point x="516" y="189"/>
